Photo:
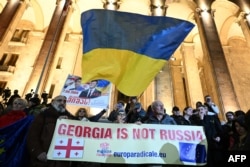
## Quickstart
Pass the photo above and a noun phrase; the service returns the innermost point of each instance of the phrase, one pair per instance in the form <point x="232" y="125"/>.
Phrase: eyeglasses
<point x="61" y="100"/>
<point x="16" y="103"/>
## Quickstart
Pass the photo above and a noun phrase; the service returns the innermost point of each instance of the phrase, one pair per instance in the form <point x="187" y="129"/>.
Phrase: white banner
<point x="128" y="143"/>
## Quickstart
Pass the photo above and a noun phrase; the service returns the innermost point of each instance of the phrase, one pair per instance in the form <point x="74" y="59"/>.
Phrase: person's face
<point x="82" y="113"/>
<point x="201" y="110"/>
<point x="177" y="112"/>
<point x="92" y="84"/>
<point x="208" y="99"/>
<point x="121" y="117"/>
<point x="159" y="108"/>
<point x="78" y="83"/>
<point x="206" y="109"/>
<point x="18" y="105"/>
<point x="59" y="103"/>
<point x="240" y="129"/>
<point x="119" y="106"/>
<point x="189" y="111"/>
<point x="134" y="100"/>
<point x="230" y="117"/>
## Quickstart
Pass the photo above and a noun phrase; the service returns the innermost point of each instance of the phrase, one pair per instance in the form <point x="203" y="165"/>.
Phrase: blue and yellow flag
<point x="128" y="49"/>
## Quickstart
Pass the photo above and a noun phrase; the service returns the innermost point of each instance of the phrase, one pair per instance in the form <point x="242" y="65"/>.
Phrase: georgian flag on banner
<point x="68" y="148"/>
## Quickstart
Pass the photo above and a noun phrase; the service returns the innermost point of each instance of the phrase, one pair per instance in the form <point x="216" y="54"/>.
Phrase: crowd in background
<point x="232" y="135"/>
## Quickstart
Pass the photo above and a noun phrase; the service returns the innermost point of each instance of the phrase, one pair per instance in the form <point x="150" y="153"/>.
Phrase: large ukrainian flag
<point x="128" y="49"/>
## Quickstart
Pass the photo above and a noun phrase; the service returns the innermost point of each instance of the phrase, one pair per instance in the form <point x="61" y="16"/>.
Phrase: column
<point x="218" y="79"/>
<point x="51" y="45"/>
<point x="9" y="18"/>
<point x="191" y="74"/>
<point x="245" y="8"/>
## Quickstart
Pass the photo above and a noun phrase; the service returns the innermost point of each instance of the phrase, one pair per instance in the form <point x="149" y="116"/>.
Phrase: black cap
<point x="35" y="100"/>
<point x="175" y="108"/>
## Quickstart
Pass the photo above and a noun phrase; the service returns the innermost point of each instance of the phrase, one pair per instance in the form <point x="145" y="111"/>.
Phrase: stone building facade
<point x="41" y="43"/>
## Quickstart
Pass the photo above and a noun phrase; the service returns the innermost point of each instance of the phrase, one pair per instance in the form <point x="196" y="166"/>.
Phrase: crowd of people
<point x="232" y="135"/>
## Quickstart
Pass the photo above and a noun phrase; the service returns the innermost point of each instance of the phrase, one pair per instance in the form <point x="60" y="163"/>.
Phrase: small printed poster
<point x="95" y="93"/>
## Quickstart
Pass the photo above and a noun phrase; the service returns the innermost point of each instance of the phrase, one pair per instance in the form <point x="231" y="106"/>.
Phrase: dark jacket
<point x="40" y="136"/>
<point x="85" y="93"/>
<point x="212" y="128"/>
<point x="244" y="145"/>
<point x="134" y="116"/>
<point x="165" y="120"/>
<point x="112" y="116"/>
<point x="179" y="119"/>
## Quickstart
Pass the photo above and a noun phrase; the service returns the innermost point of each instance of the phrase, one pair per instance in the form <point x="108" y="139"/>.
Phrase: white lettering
<point x="243" y="157"/>
<point x="231" y="158"/>
<point x="236" y="158"/>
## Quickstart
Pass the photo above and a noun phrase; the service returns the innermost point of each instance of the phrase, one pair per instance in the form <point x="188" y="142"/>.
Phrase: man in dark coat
<point x="41" y="132"/>
<point x="213" y="132"/>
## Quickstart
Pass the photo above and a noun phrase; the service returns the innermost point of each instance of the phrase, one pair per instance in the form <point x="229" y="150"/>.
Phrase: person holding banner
<point x="159" y="117"/>
<point x="130" y="105"/>
<point x="82" y="115"/>
<point x="113" y="114"/>
<point x="41" y="132"/>
<point x="137" y="114"/>
<point x="120" y="116"/>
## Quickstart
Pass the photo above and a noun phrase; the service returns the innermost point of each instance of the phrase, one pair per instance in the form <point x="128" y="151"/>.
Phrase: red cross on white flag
<point x="68" y="148"/>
